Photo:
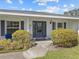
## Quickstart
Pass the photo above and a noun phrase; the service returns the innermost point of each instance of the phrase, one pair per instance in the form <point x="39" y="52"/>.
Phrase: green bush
<point x="14" y="45"/>
<point x="20" y="40"/>
<point x="20" y="35"/>
<point x="4" y="43"/>
<point x="23" y="37"/>
<point x="64" y="37"/>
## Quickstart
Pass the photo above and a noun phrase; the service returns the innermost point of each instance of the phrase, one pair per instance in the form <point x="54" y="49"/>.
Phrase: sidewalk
<point x="37" y="51"/>
<point x="12" y="55"/>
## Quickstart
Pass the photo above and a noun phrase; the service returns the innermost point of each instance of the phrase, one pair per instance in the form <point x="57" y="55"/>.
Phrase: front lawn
<point x="63" y="53"/>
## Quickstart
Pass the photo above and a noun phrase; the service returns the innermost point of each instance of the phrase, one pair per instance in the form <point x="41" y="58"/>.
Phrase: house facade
<point x="39" y="24"/>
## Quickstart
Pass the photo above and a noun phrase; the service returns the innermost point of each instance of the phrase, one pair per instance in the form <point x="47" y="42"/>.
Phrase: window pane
<point x="2" y="28"/>
<point x="64" y="25"/>
<point x="39" y="27"/>
<point x="53" y="25"/>
<point x="10" y="31"/>
<point x="22" y="25"/>
<point x="60" y="25"/>
<point x="12" y="26"/>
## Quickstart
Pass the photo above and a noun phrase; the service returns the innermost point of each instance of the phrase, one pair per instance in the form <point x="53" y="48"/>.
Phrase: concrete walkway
<point x="12" y="55"/>
<point x="38" y="51"/>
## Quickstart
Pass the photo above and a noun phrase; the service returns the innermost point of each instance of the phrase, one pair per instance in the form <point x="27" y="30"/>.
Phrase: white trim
<point x="5" y="27"/>
<point x="0" y="27"/>
<point x="11" y="27"/>
<point x="19" y="25"/>
<point x="56" y="25"/>
<point x="49" y="16"/>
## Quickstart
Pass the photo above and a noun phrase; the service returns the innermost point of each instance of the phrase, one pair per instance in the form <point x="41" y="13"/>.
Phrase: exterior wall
<point x="73" y="25"/>
<point x="78" y="27"/>
<point x="10" y="18"/>
<point x="28" y="23"/>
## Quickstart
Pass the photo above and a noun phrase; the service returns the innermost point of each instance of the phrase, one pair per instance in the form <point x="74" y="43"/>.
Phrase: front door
<point x="39" y="29"/>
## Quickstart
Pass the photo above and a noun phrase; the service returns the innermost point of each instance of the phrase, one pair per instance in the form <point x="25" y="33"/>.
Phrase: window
<point x="53" y="25"/>
<point x="2" y="28"/>
<point x="60" y="25"/>
<point x="39" y="27"/>
<point x="12" y="26"/>
<point x="64" y="25"/>
<point x="22" y="25"/>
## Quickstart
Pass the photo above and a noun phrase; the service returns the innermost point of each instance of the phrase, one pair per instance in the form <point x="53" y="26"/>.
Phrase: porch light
<point x="50" y="21"/>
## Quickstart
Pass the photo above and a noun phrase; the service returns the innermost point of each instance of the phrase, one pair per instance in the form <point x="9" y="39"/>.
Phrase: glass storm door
<point x="39" y="29"/>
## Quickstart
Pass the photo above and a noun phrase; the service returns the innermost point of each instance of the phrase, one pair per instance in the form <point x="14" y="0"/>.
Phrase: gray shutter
<point x="2" y="27"/>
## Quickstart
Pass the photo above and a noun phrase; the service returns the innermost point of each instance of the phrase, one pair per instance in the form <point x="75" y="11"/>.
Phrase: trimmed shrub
<point x="23" y="37"/>
<point x="64" y="37"/>
<point x="4" y="44"/>
<point x="14" y="45"/>
<point x="20" y="35"/>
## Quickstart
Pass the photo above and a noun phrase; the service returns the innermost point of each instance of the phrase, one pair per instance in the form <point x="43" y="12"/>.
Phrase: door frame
<point x="44" y="34"/>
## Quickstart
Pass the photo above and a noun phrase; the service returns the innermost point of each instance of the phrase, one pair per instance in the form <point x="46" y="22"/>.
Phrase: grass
<point x="63" y="53"/>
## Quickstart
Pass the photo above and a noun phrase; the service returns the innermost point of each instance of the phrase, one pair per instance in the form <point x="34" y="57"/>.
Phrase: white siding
<point x="29" y="27"/>
<point x="78" y="27"/>
<point x="73" y="25"/>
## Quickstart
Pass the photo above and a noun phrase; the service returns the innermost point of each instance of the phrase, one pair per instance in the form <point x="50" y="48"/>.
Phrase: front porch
<point x="39" y="27"/>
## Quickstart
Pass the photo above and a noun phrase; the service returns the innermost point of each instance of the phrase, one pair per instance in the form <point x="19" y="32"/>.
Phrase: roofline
<point x="37" y="15"/>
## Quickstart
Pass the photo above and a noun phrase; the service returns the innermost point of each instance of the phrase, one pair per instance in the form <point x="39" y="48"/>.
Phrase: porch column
<point x="28" y="25"/>
<point x="5" y="27"/>
<point x="19" y="25"/>
<point x="56" y="25"/>
<point x="0" y="28"/>
<point x="49" y="28"/>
